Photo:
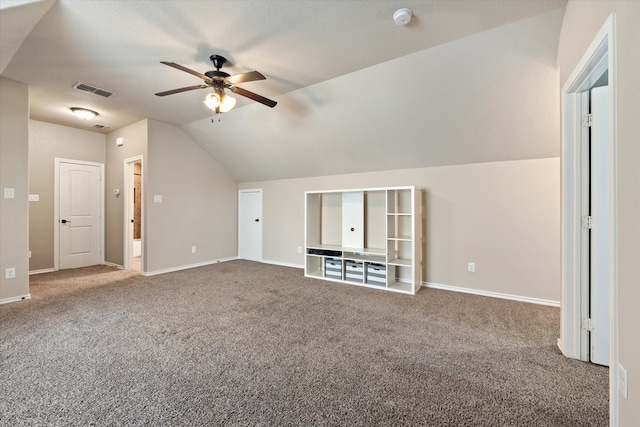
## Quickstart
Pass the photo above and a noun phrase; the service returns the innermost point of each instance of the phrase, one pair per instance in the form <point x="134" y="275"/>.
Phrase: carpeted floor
<point x="244" y="343"/>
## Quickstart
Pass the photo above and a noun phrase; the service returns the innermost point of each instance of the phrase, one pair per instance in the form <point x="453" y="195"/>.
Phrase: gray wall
<point x="14" y="213"/>
<point x="135" y="144"/>
<point x="504" y="216"/>
<point x="199" y="203"/>
<point x="582" y="21"/>
<point x="46" y="142"/>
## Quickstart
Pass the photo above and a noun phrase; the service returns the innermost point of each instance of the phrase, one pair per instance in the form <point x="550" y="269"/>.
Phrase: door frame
<point x="56" y="207"/>
<point x="598" y="58"/>
<point x="250" y="190"/>
<point x="128" y="206"/>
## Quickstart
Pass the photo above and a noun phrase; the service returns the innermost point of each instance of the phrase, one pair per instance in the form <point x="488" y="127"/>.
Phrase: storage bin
<point x="354" y="271"/>
<point x="376" y="274"/>
<point x="333" y="268"/>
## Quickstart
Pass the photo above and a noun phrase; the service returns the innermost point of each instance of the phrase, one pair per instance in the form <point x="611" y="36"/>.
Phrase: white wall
<point x="582" y="21"/>
<point x="504" y="216"/>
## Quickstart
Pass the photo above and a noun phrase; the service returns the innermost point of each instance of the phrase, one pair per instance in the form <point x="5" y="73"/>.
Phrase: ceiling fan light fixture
<point x="212" y="101"/>
<point x="219" y="103"/>
<point x="84" y="113"/>
<point x="227" y="103"/>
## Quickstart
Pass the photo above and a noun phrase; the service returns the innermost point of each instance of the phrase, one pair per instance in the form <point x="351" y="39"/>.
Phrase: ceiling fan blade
<point x="185" y="69"/>
<point x="182" y="89"/>
<point x="245" y="77"/>
<point x="258" y="98"/>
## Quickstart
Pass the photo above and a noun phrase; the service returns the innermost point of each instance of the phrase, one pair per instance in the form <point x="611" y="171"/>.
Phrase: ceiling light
<point x="402" y="16"/>
<point x="219" y="102"/>
<point x="212" y="101"/>
<point x="84" y="113"/>
<point x="227" y="103"/>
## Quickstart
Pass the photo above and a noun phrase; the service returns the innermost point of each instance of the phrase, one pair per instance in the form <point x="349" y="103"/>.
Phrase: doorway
<point x="133" y="214"/>
<point x="250" y="224"/>
<point x="78" y="213"/>
<point x="575" y="334"/>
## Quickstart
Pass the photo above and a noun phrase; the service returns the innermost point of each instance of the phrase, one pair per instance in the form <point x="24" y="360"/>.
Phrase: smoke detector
<point x="402" y="16"/>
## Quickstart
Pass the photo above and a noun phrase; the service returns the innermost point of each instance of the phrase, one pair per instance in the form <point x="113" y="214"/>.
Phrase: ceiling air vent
<point x="93" y="89"/>
<point x="99" y="126"/>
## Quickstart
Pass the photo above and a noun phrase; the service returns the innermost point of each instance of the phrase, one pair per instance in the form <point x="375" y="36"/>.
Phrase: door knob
<point x="64" y="221"/>
<point x="257" y="220"/>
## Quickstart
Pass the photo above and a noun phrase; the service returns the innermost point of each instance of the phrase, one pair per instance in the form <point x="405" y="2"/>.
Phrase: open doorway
<point x="133" y="214"/>
<point x="596" y="68"/>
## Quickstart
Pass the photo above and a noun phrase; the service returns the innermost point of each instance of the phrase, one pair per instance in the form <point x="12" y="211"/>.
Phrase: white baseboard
<point x="493" y="294"/>
<point x="283" y="264"/>
<point x="15" y="299"/>
<point x="44" y="270"/>
<point x="111" y="264"/>
<point x="186" y="267"/>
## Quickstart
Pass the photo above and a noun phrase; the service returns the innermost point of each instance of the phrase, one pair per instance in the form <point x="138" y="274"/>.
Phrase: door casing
<point x="128" y="210"/>
<point x="599" y="57"/>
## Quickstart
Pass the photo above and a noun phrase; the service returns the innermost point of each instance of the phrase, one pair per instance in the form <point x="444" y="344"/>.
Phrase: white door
<point x="250" y="224"/>
<point x="599" y="235"/>
<point x="80" y="207"/>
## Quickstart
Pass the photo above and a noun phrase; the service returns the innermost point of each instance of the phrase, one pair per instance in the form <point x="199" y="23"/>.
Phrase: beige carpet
<point x="244" y="343"/>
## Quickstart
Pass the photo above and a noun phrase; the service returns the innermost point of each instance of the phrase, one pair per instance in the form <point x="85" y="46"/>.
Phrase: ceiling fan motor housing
<point x="218" y="61"/>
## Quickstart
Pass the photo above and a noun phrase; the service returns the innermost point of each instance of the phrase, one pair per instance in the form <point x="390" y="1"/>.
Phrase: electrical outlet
<point x="193" y="249"/>
<point x="471" y="267"/>
<point x="10" y="273"/>
<point x="299" y="249"/>
<point x="622" y="381"/>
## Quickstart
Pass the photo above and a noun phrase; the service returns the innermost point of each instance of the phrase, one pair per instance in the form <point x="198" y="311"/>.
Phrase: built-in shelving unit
<point x="366" y="237"/>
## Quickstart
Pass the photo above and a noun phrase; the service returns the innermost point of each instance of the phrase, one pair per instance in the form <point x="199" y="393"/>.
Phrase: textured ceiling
<point x="462" y="83"/>
<point x="118" y="46"/>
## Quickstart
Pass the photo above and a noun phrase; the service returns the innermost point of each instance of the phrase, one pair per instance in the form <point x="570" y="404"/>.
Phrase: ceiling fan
<point x="218" y="80"/>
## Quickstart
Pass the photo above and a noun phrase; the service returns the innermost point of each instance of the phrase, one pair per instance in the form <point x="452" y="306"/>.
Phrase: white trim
<point x="44" y="270"/>
<point x="126" y="193"/>
<point x="599" y="56"/>
<point x="15" y="299"/>
<point x="354" y="190"/>
<point x="500" y="295"/>
<point x="186" y="267"/>
<point x="112" y="264"/>
<point x="283" y="264"/>
<point x="56" y="207"/>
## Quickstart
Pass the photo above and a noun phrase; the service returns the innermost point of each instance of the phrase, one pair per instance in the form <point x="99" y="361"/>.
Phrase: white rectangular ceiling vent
<point x="99" y="126"/>
<point x="93" y="89"/>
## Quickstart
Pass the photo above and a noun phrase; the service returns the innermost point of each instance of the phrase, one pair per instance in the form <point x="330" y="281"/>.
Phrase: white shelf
<point x="400" y="262"/>
<point x="401" y="238"/>
<point x="385" y="230"/>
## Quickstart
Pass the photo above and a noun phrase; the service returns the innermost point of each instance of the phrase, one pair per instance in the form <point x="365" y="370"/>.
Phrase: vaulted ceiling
<point x="340" y="70"/>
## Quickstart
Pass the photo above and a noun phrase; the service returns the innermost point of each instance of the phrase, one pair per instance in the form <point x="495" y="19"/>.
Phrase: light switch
<point x="157" y="198"/>
<point x="34" y="197"/>
<point x="9" y="193"/>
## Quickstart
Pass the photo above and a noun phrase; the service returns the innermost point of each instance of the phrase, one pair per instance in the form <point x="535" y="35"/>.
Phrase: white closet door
<point x="250" y="224"/>
<point x="353" y="220"/>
